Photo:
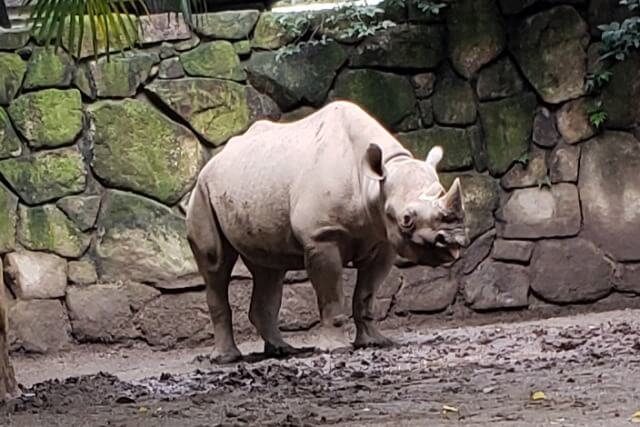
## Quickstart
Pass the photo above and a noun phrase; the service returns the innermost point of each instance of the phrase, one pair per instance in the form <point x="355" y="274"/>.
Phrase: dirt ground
<point x="587" y="366"/>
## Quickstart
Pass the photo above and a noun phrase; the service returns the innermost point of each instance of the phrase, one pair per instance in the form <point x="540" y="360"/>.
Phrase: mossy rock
<point x="404" y="46"/>
<point x="269" y="34"/>
<point x="8" y="219"/>
<point x="499" y="80"/>
<point x="81" y="209"/>
<point x="306" y="75"/>
<point x="14" y="39"/>
<point x="171" y="68"/>
<point x="507" y="126"/>
<point x="550" y="48"/>
<point x="213" y="59"/>
<point x="138" y="148"/>
<point x="48" y="118"/>
<point x="216" y="109"/>
<point x="47" y="228"/>
<point x="455" y="142"/>
<point x="141" y="240"/>
<point x="476" y="34"/>
<point x="388" y="97"/>
<point x="242" y="47"/>
<point x="117" y="42"/>
<point x="83" y="80"/>
<point x="120" y="76"/>
<point x="227" y="25"/>
<point x="45" y="176"/>
<point x="10" y="145"/>
<point x="12" y="69"/>
<point x="453" y="101"/>
<point x="621" y="96"/>
<point x="48" y="68"/>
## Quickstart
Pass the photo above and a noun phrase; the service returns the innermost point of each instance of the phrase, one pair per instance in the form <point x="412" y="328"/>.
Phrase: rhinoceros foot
<point x="286" y="350"/>
<point x="226" y="358"/>
<point x="372" y="338"/>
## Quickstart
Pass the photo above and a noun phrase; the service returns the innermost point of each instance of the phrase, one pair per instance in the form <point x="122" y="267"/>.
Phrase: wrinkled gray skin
<point x="331" y="189"/>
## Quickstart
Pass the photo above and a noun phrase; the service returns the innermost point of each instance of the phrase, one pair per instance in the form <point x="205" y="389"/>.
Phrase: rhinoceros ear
<point x="452" y="200"/>
<point x="373" y="166"/>
<point x="434" y="156"/>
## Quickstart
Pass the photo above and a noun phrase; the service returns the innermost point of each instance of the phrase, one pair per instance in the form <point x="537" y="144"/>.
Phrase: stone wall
<point x="97" y="160"/>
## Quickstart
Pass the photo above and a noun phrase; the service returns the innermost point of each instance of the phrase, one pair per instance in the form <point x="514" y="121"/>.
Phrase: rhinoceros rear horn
<point x="373" y="163"/>
<point x="452" y="200"/>
<point x="434" y="156"/>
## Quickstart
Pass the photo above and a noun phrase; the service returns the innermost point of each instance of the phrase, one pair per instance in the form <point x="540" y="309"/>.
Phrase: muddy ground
<point x="587" y="366"/>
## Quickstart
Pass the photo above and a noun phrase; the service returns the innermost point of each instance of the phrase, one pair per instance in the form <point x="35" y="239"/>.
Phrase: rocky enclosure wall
<point x="97" y="161"/>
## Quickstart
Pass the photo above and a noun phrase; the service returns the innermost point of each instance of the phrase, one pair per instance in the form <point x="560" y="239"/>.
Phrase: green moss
<point x="12" y="69"/>
<point x="47" y="68"/>
<point x="8" y="207"/>
<point x="138" y="148"/>
<point x="86" y="44"/>
<point x="507" y="126"/>
<point x="269" y="34"/>
<point x="120" y="77"/>
<point x="217" y="109"/>
<point x="388" y="97"/>
<point x="14" y="39"/>
<point x="46" y="228"/>
<point x="229" y="25"/>
<point x="48" y="118"/>
<point x="213" y="59"/>
<point x="10" y="145"/>
<point x="82" y="210"/>
<point x="45" y="176"/>
<point x="242" y="47"/>
<point x="455" y="142"/>
<point x="453" y="101"/>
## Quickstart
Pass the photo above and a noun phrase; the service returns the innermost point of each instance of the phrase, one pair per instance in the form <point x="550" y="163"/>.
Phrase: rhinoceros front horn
<point x="452" y="200"/>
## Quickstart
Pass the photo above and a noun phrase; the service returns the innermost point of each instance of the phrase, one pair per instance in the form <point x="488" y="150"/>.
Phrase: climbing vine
<point x="347" y="22"/>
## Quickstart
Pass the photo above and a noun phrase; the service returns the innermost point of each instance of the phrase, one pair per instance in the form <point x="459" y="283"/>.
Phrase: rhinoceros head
<point x="424" y="222"/>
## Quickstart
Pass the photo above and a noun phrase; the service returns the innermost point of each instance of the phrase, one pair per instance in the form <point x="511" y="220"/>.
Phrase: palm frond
<point x="110" y="22"/>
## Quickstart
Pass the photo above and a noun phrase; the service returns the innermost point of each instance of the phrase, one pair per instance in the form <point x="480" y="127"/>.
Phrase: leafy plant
<point x="597" y="115"/>
<point x="425" y="6"/>
<point x="60" y="22"/>
<point x="618" y="39"/>
<point x="597" y="80"/>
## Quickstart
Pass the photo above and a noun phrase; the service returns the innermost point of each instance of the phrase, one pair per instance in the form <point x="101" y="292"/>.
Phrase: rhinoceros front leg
<point x="371" y="274"/>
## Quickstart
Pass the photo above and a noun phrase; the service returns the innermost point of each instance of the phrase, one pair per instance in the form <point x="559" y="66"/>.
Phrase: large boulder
<point x="269" y="33"/>
<point x="627" y="278"/>
<point x="404" y="46"/>
<point x="141" y="240"/>
<point x="507" y="126"/>
<point x="84" y="47"/>
<point x="12" y="69"/>
<point x="550" y="48"/>
<point x="213" y="59"/>
<point x="495" y="285"/>
<point x="162" y="27"/>
<point x="569" y="271"/>
<point x="425" y="290"/>
<point x="228" y="25"/>
<point x="82" y="272"/>
<point x="499" y="80"/>
<point x="45" y="176"/>
<point x="388" y="97"/>
<point x="8" y="219"/>
<point x="480" y="196"/>
<point x="36" y="275"/>
<point x="47" y="68"/>
<point x="14" y="39"/>
<point x="563" y="163"/>
<point x="103" y="313"/>
<point x="39" y="326"/>
<point x="532" y="213"/>
<point x="530" y="174"/>
<point x="306" y="75"/>
<point x="621" y="95"/>
<point x="455" y="142"/>
<point x="48" y="118"/>
<point x="512" y="250"/>
<point x="453" y="101"/>
<point x="172" y="318"/>
<point x="545" y="131"/>
<point x="476" y="252"/>
<point x="610" y="193"/>
<point x="10" y="145"/>
<point x="121" y="76"/>
<point x="171" y="68"/>
<point x="573" y="121"/>
<point x="476" y="34"/>
<point x="138" y="148"/>
<point x="216" y="109"/>
<point x="47" y="228"/>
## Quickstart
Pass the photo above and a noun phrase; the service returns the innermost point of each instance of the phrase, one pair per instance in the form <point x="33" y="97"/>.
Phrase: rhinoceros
<point x="331" y="190"/>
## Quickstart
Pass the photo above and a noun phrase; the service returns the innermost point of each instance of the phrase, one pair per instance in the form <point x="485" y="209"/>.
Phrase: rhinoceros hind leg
<point x="266" y="299"/>
<point x="371" y="274"/>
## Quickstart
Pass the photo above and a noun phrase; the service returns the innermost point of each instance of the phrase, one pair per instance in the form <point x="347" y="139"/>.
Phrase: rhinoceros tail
<point x="203" y="230"/>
